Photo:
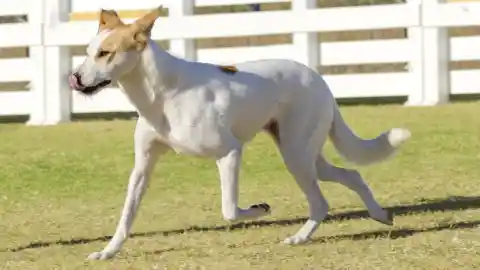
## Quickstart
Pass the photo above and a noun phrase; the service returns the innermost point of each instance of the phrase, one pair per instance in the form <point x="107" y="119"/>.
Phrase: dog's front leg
<point x="229" y="168"/>
<point x="146" y="156"/>
<point x="136" y="188"/>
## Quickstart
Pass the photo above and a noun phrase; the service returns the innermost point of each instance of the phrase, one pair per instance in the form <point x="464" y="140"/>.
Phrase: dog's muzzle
<point x="75" y="82"/>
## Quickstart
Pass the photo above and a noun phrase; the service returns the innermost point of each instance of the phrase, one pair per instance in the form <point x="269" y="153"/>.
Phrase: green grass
<point x="62" y="189"/>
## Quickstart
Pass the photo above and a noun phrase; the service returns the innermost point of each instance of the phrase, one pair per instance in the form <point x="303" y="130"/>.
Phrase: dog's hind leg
<point x="354" y="181"/>
<point x="299" y="145"/>
<point x="147" y="150"/>
<point x="228" y="168"/>
<point x="301" y="164"/>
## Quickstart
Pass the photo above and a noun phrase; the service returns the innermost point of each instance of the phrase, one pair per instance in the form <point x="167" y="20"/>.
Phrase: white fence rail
<point x="427" y="50"/>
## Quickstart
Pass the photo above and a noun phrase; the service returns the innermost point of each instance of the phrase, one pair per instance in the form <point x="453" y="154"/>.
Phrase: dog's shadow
<point x="435" y="205"/>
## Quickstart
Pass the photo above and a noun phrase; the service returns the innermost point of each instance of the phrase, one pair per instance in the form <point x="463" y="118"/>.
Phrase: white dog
<point x="212" y="111"/>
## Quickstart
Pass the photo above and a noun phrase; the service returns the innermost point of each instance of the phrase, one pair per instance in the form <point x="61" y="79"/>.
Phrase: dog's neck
<point x="160" y="68"/>
<point x="154" y="77"/>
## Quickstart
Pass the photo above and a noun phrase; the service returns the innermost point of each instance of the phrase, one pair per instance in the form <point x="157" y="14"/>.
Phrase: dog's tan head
<point x="113" y="52"/>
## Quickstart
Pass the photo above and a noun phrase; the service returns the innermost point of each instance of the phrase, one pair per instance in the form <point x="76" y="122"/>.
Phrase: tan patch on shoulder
<point x="228" y="69"/>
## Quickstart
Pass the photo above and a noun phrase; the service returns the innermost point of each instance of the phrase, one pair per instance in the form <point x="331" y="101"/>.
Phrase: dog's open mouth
<point x="74" y="82"/>
<point x="90" y="90"/>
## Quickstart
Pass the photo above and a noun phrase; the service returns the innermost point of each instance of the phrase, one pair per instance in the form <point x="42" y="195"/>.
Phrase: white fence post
<point x="436" y="57"/>
<point x="415" y="65"/>
<point x="306" y="45"/>
<point x="55" y="97"/>
<point x="433" y="66"/>
<point x="37" y="57"/>
<point x="184" y="48"/>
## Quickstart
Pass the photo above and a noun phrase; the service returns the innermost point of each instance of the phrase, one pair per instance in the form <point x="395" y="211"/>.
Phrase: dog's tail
<point x="360" y="151"/>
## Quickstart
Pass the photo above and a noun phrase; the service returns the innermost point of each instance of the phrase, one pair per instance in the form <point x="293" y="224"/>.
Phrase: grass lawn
<point x="62" y="189"/>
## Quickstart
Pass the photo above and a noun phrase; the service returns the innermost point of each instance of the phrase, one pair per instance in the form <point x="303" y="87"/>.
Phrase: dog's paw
<point x="265" y="207"/>
<point x="296" y="240"/>
<point x="100" y="256"/>
<point x="386" y="217"/>
<point x="256" y="211"/>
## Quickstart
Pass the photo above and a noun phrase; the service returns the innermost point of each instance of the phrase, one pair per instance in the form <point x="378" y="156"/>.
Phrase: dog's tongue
<point x="73" y="82"/>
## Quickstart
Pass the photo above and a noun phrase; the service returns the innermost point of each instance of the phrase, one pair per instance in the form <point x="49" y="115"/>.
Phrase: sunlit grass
<point x="62" y="189"/>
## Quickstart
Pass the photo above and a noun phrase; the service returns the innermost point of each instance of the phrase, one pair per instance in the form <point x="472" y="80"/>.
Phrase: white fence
<point x="427" y="50"/>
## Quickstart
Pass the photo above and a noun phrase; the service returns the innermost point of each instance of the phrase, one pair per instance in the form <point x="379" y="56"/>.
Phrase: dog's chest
<point x="196" y="129"/>
<point x="197" y="141"/>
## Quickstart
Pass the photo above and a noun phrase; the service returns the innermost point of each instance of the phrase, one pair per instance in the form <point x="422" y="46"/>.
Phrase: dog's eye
<point x="103" y="53"/>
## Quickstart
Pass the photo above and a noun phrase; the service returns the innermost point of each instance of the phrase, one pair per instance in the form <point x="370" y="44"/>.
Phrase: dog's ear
<point x="108" y="19"/>
<point x="142" y="27"/>
<point x="145" y="23"/>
